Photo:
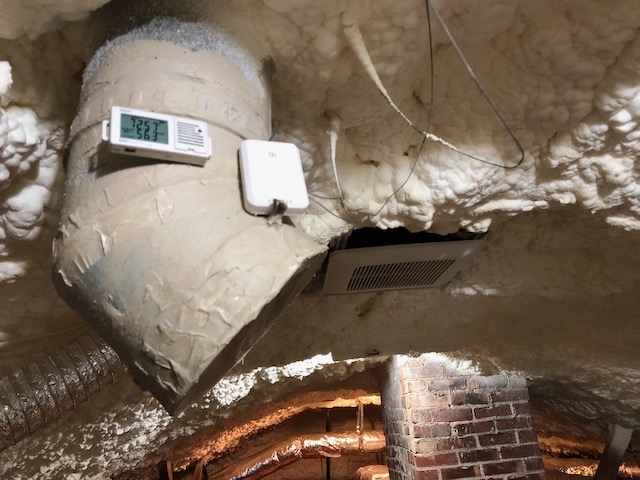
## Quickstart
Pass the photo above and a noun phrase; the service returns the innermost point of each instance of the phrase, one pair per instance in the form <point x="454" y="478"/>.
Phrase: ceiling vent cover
<point x="396" y="267"/>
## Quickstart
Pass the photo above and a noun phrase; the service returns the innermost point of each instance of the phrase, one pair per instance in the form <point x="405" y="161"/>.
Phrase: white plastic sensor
<point x="272" y="175"/>
<point x="157" y="135"/>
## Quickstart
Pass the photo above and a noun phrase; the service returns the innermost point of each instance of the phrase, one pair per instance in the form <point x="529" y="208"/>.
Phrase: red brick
<point x="426" y="475"/>
<point x="452" y="370"/>
<point x="527" y="436"/>
<point x="503" y="467"/>
<point x="393" y="414"/>
<point x="517" y="382"/>
<point x="423" y="445"/>
<point x="413" y="386"/>
<point x="455" y="443"/>
<point x="502" y="438"/>
<point x="486" y="426"/>
<point x="436" y="460"/>
<point x="421" y="415"/>
<point x="427" y="370"/>
<point x="438" y="400"/>
<point x="536" y="476"/>
<point x="460" y="429"/>
<point x="510" y="395"/>
<point x="421" y="400"/>
<point x="522" y="408"/>
<point x="397" y="441"/>
<point x="431" y="431"/>
<point x="477" y="456"/>
<point x="513" y="423"/>
<point x="534" y="464"/>
<point x="460" y="472"/>
<point x="453" y="383"/>
<point x="520" y="451"/>
<point x="503" y="410"/>
<point x="469" y="398"/>
<point x="493" y="382"/>
<point x="453" y="415"/>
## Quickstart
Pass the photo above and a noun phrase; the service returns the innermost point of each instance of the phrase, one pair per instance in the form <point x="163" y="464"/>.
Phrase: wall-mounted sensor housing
<point x="157" y="135"/>
<point x="272" y="175"/>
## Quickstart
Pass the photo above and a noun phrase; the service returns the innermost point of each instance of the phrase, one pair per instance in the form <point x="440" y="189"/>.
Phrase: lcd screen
<point x="144" y="128"/>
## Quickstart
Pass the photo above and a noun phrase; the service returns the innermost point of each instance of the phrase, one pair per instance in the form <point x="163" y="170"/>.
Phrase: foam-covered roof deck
<point x="553" y="296"/>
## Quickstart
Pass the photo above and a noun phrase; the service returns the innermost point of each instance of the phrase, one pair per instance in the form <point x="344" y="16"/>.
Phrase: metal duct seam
<point x="42" y="392"/>
<point x="161" y="258"/>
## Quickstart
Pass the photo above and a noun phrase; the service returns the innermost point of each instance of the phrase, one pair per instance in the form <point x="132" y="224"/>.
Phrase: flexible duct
<point x="45" y="390"/>
<point x="161" y="258"/>
<point x="320" y="445"/>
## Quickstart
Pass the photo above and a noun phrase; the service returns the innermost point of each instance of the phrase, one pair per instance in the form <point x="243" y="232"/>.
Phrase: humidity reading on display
<point x="161" y="136"/>
<point x="143" y="128"/>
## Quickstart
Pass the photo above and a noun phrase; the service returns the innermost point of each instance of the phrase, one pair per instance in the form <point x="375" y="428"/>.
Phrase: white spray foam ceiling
<point x="553" y="296"/>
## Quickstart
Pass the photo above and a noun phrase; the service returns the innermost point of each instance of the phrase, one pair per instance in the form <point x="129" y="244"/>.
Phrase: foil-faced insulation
<point x="319" y="445"/>
<point x="43" y="391"/>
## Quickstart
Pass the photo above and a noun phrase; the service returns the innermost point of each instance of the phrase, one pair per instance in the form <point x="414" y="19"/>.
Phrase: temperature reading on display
<point x="143" y="128"/>
<point x="162" y="136"/>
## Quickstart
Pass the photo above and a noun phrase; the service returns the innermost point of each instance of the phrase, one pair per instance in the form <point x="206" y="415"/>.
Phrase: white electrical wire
<point x="356" y="41"/>
<point x="357" y="44"/>
<point x="334" y="132"/>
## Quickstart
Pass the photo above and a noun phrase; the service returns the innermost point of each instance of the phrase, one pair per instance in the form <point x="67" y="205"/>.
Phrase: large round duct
<point x="159" y="257"/>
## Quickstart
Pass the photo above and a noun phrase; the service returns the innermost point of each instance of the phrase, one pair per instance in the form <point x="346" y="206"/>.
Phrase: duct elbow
<point x="159" y="257"/>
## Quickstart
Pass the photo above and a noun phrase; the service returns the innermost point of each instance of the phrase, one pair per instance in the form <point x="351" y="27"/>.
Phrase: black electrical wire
<point x="422" y="144"/>
<point x="429" y="115"/>
<point x="274" y="130"/>
<point x="484" y="93"/>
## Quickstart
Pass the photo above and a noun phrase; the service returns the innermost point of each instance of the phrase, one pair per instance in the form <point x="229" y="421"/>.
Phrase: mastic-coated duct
<point x="161" y="258"/>
<point x="42" y="392"/>
<point x="320" y="445"/>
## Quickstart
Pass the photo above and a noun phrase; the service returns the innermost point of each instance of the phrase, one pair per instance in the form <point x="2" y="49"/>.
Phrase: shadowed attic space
<point x="552" y="297"/>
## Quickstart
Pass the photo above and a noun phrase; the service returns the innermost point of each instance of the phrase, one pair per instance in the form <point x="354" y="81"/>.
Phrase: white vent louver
<point x="189" y="136"/>
<point x="397" y="267"/>
<point x="397" y="275"/>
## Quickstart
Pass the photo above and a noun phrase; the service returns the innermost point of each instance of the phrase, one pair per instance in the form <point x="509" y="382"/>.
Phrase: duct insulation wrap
<point x="160" y="257"/>
<point x="315" y="445"/>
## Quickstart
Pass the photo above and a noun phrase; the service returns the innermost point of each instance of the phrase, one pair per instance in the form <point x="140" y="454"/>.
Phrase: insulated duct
<point x="161" y="258"/>
<point x="41" y="393"/>
<point x="320" y="445"/>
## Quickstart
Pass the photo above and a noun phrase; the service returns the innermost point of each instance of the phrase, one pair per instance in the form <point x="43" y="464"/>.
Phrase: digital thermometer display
<point x="143" y="128"/>
<point x="157" y="135"/>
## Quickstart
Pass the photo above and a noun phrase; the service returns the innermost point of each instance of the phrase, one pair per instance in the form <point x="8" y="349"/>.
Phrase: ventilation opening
<point x="397" y="275"/>
<point x="370" y="260"/>
<point x="375" y="237"/>
<point x="189" y="134"/>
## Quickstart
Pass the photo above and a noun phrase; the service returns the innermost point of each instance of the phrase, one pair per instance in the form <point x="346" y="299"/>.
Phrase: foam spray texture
<point x="24" y="190"/>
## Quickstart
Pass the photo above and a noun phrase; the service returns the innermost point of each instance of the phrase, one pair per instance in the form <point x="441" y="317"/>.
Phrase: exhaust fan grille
<point x="397" y="275"/>
<point x="397" y="267"/>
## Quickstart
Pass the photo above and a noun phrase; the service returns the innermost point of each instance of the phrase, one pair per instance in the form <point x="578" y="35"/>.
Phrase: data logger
<point x="272" y="178"/>
<point x="157" y="135"/>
